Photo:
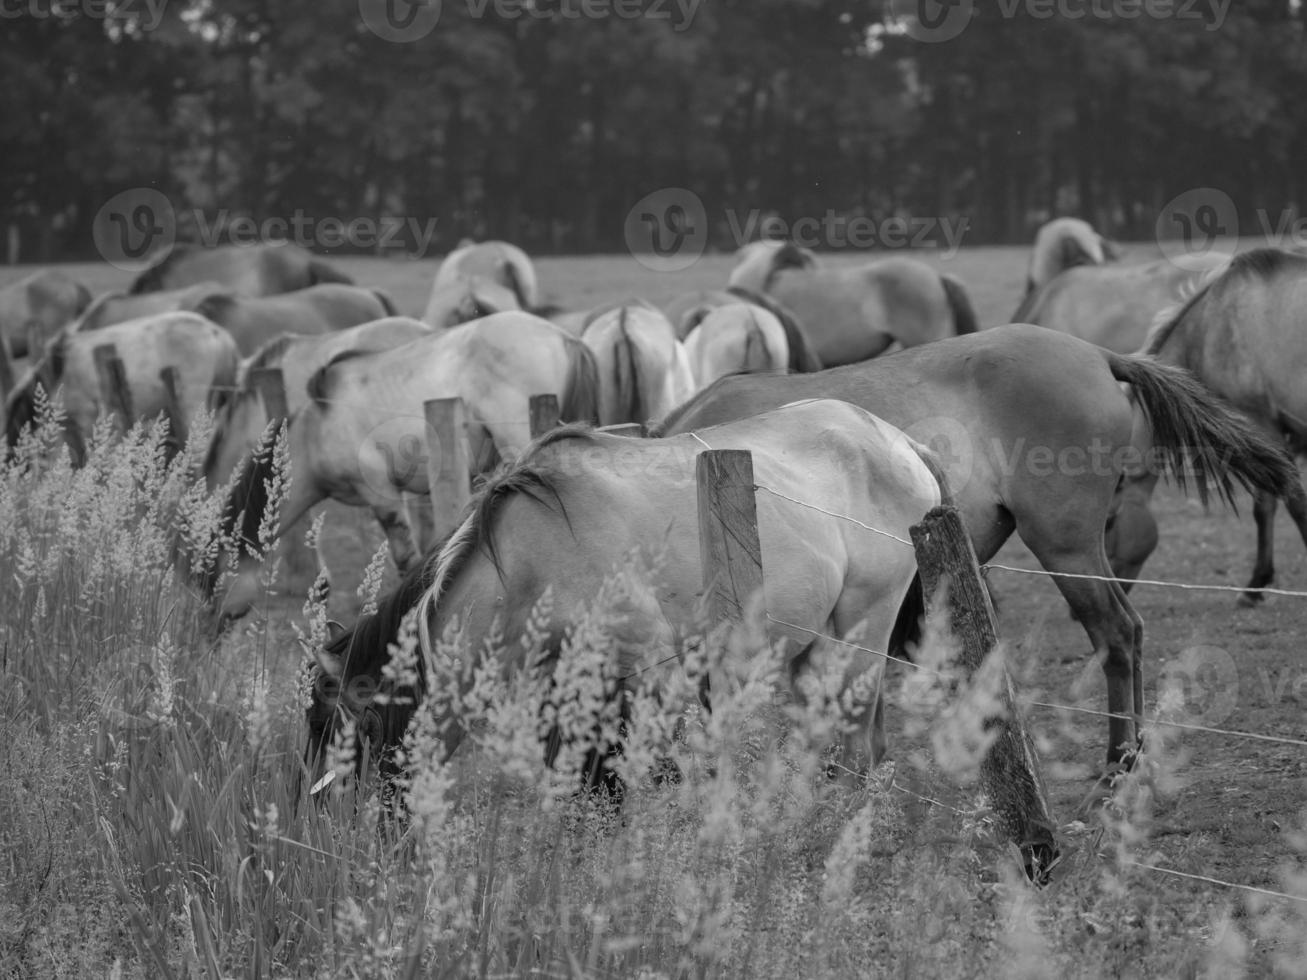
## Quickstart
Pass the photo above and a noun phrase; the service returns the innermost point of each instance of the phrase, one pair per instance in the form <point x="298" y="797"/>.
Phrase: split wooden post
<point x="448" y="466"/>
<point x="544" y="414"/>
<point x="270" y="384"/>
<point x="632" y="430"/>
<point x="1009" y="771"/>
<point x="114" y="393"/>
<point x="172" y="408"/>
<point x="6" y="369"/>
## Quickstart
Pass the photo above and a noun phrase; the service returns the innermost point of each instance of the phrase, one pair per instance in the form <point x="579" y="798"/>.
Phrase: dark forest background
<point x="546" y="132"/>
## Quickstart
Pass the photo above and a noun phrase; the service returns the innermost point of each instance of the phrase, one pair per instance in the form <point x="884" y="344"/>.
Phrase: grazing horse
<point x="119" y="307"/>
<point x="240" y="422"/>
<point x="497" y="262"/>
<point x="581" y="503"/>
<point x="203" y="353"/>
<point x="688" y="311"/>
<point x="1038" y="431"/>
<point x="462" y="299"/>
<point x="738" y="338"/>
<point x="362" y="437"/>
<point x="255" y="270"/>
<point x="1111" y="305"/>
<point x="643" y="369"/>
<point x="1241" y="335"/>
<point x="48" y="299"/>
<point x="1062" y="244"/>
<point x="254" y="320"/>
<point x="851" y="314"/>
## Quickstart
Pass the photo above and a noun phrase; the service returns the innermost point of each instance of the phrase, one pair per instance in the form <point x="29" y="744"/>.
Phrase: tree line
<point x="545" y="121"/>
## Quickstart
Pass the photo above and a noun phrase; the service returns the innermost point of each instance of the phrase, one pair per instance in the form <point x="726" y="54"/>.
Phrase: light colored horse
<point x="462" y="299"/>
<point x="1062" y="244"/>
<point x="495" y="261"/>
<point x="1039" y="431"/>
<point x="852" y="314"/>
<point x="119" y="307"/>
<point x="689" y="309"/>
<point x="203" y="353"/>
<point x="580" y="503"/>
<point x="48" y="299"/>
<point x="738" y="338"/>
<point x="643" y="369"/>
<point x="255" y="270"/>
<point x="362" y="438"/>
<point x="242" y="418"/>
<point x="1241" y="335"/>
<point x="254" y="320"/>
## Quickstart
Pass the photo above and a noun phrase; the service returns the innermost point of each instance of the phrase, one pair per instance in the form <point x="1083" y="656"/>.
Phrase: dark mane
<point x="151" y="277"/>
<point x="317" y="384"/>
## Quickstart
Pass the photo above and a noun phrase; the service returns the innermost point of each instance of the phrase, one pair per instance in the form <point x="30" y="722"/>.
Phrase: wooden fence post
<point x="172" y="408"/>
<point x="544" y="414"/>
<point x="35" y="342"/>
<point x="632" y="430"/>
<point x="114" y="393"/>
<point x="728" y="532"/>
<point x="269" y="383"/>
<point x="448" y="466"/>
<point x="6" y="369"/>
<point x="1010" y="771"/>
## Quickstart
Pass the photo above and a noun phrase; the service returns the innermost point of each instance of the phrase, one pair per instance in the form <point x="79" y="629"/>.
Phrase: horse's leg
<point x="1264" y="567"/>
<point x="398" y="534"/>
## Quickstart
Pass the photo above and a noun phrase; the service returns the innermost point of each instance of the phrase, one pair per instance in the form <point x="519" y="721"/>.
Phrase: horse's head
<point x="759" y="263"/>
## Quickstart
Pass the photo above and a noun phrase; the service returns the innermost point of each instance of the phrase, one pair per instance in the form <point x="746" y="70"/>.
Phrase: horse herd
<point x="865" y="393"/>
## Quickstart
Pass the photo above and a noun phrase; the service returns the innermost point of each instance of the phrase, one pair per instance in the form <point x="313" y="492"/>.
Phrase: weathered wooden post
<point x="115" y="395"/>
<point x="448" y="466"/>
<point x="172" y="409"/>
<point x="270" y="384"/>
<point x="1009" y="771"/>
<point x="729" y="548"/>
<point x="632" y="430"/>
<point x="544" y="414"/>
<point x="6" y="369"/>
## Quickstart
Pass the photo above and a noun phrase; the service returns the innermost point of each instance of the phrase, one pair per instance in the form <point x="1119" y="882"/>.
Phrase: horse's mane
<point x="151" y="277"/>
<point x="1258" y="264"/>
<point x="317" y="385"/>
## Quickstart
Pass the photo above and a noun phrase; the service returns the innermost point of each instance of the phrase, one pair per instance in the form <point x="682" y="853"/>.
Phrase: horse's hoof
<point x="1250" y="600"/>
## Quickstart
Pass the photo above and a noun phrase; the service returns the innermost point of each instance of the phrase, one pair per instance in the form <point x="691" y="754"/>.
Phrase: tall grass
<point x="151" y="824"/>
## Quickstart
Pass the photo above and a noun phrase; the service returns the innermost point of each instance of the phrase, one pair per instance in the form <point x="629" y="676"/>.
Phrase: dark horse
<point x="1038" y="431"/>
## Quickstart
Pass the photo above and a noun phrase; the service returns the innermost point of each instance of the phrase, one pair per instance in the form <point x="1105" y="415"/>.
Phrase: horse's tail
<point x="320" y="272"/>
<point x="755" y="357"/>
<point x="627" y="380"/>
<point x="386" y="302"/>
<point x="1202" y="437"/>
<point x="964" y="314"/>
<point x="515" y="283"/>
<point x="803" y="356"/>
<point x="579" y="401"/>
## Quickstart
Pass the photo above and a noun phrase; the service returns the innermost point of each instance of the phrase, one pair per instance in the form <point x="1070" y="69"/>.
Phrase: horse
<point x="582" y="506"/>
<point x="253" y="320"/>
<point x="240" y="422"/>
<point x="495" y="261"/>
<point x="48" y="299"/>
<point x="1062" y="244"/>
<point x="852" y="314"/>
<point x="203" y="354"/>
<point x="643" y="369"/>
<point x="362" y="436"/>
<point x="1039" y="433"/>
<point x="689" y="310"/>
<point x="461" y="299"/>
<point x="1113" y="306"/>
<point x="255" y="270"/>
<point x="118" y="307"/>
<point x="734" y="339"/>
<point x="1240" y="335"/>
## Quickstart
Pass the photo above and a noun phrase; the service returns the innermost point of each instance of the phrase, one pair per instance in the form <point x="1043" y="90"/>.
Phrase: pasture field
<point x="148" y="825"/>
